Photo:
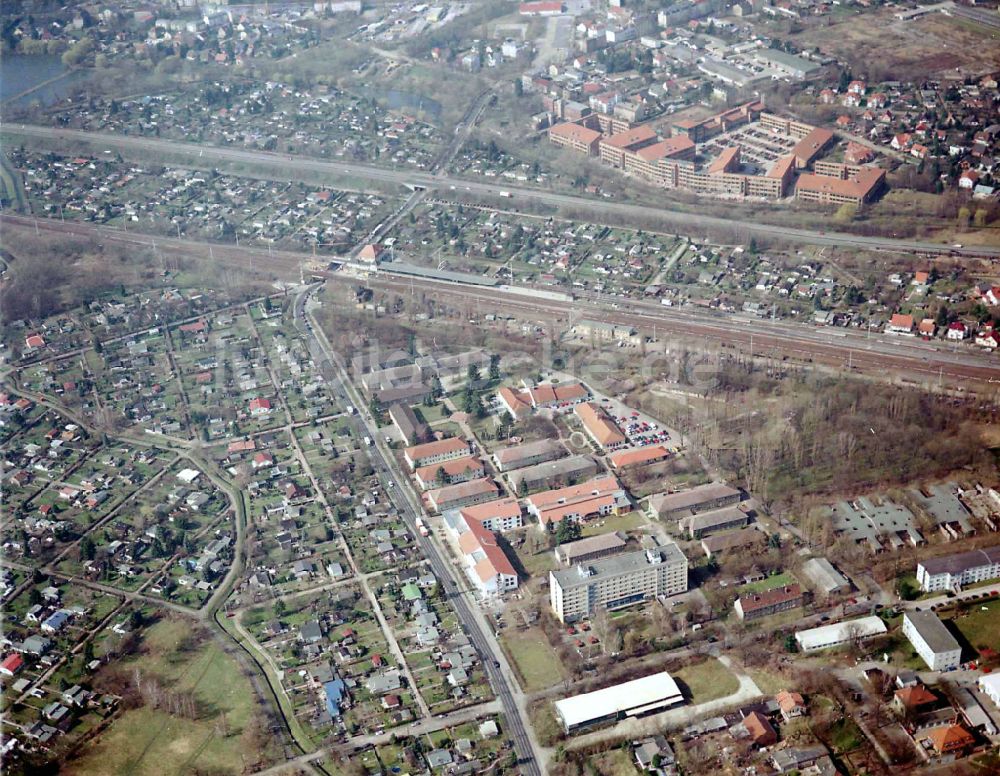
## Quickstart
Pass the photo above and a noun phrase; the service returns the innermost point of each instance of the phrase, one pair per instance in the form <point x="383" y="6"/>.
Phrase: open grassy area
<point x="778" y="580"/>
<point x="978" y="623"/>
<point x="537" y="663"/>
<point x="616" y="762"/>
<point x="707" y="681"/>
<point x="539" y="564"/>
<point x="768" y="683"/>
<point x="148" y="740"/>
<point x="845" y="736"/>
<point x="627" y="522"/>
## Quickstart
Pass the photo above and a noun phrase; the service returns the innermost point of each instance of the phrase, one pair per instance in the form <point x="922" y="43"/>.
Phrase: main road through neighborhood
<point x="275" y="166"/>
<point x="395" y="483"/>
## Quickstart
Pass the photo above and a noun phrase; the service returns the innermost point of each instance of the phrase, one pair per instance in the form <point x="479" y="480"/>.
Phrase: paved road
<point x="287" y="167"/>
<point x="493" y="659"/>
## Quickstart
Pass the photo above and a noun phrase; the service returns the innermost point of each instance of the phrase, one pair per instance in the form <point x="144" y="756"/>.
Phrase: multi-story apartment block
<point x="436" y="452"/>
<point x="954" y="571"/>
<point x="617" y="581"/>
<point x="596" y="498"/>
<point x="932" y="640"/>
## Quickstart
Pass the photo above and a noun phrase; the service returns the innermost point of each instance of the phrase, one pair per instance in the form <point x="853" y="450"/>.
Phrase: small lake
<point x="19" y="73"/>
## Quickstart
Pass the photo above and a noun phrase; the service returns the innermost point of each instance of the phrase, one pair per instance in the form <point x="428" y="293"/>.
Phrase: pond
<point x="19" y="74"/>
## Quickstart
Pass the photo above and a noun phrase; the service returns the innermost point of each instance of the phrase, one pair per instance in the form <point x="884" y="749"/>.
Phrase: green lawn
<point x="707" y="681"/>
<point x="978" y="623"/>
<point x="845" y="736"/>
<point x="430" y="414"/>
<point x="152" y="741"/>
<point x="778" y="580"/>
<point x="615" y="762"/>
<point x="767" y="682"/>
<point x="537" y="663"/>
<point x="626" y="522"/>
<point x="539" y="564"/>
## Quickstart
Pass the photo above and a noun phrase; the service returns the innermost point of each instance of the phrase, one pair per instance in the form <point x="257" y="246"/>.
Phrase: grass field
<point x="707" y="681"/>
<point x="845" y="735"/>
<point x="778" y="580"/>
<point x="613" y="763"/>
<point x="979" y="624"/>
<point x="151" y="741"/>
<point x="537" y="663"/>
<point x="767" y="682"/>
<point x="11" y="188"/>
<point x="626" y="522"/>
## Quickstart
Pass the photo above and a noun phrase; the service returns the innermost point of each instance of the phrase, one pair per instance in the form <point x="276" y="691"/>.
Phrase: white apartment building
<point x="932" y="640"/>
<point x="954" y="571"/>
<point x="617" y="581"/>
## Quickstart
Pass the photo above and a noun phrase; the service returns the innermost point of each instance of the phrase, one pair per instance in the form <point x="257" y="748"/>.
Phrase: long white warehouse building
<point x="631" y="699"/>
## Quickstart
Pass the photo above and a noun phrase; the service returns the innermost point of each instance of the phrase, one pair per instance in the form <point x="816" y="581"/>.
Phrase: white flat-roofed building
<point x="617" y="581"/>
<point x="989" y="686"/>
<point x="631" y="699"/>
<point x="932" y="640"/>
<point x="964" y="568"/>
<point x="840" y="633"/>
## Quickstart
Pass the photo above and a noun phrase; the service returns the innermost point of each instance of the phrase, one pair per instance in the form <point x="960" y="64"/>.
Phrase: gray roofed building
<point x="528" y="454"/>
<point x="732" y="540"/>
<point x="591" y="548"/>
<point x="439" y="758"/>
<point x="932" y="640"/>
<point x="673" y="506"/>
<point x="963" y="568"/>
<point x="402" y="393"/>
<point x="654" y="754"/>
<point x="379" y="684"/>
<point x="36" y="645"/>
<point x="566" y="471"/>
<point x="798" y="758"/>
<point x="789" y="63"/>
<point x="705" y="523"/>
<point x="411" y="428"/>
<point x="825" y="577"/>
<point x="618" y="581"/>
<point x="973" y="711"/>
<point x="725" y="72"/>
<point x="311" y="632"/>
<point x="864" y="520"/>
<point x="944" y="506"/>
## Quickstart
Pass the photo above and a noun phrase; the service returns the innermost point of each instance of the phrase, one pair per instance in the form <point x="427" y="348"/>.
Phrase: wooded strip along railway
<point x="902" y="357"/>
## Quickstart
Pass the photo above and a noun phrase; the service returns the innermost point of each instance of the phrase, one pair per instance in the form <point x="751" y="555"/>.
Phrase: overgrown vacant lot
<point x="808" y="435"/>
<point x="537" y="663"/>
<point x="918" y="48"/>
<point x="194" y="710"/>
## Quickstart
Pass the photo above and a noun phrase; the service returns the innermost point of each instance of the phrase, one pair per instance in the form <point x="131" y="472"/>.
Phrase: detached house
<point x="900" y="324"/>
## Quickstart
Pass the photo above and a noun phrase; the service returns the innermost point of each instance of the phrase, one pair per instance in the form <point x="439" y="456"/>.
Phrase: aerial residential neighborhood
<point x="548" y="388"/>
